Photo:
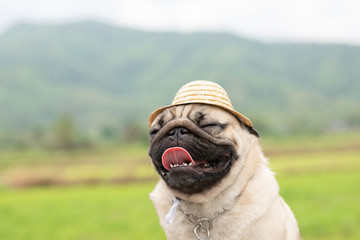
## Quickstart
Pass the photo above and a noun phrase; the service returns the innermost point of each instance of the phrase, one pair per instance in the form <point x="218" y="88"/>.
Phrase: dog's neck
<point x="201" y="215"/>
<point x="209" y="209"/>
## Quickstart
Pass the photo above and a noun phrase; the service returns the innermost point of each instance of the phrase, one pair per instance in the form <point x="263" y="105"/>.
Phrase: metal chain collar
<point x="201" y="225"/>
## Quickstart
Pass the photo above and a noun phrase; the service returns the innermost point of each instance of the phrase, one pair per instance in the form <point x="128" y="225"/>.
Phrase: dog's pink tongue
<point x="176" y="155"/>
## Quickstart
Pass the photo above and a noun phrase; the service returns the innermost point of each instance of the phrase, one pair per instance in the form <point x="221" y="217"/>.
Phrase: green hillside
<point x="105" y="76"/>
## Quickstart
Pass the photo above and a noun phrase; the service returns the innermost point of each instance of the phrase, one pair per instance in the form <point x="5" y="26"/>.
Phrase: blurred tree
<point x="110" y="133"/>
<point x="64" y="132"/>
<point x="37" y="136"/>
<point x="134" y="132"/>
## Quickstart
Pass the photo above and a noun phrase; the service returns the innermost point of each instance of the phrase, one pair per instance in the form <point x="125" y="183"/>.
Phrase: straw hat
<point x="204" y="92"/>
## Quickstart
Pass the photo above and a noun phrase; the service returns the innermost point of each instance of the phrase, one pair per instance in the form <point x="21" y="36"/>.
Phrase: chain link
<point x="201" y="225"/>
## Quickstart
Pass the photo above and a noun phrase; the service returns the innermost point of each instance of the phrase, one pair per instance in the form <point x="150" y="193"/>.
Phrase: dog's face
<point x="194" y="147"/>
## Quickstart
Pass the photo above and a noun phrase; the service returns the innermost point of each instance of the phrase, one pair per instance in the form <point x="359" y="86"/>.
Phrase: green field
<point x="321" y="185"/>
<point x="101" y="212"/>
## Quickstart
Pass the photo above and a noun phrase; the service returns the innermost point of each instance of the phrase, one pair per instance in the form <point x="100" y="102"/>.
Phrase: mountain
<point x="108" y="76"/>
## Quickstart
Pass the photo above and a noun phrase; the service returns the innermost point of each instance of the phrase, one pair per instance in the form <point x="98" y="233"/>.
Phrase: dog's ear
<point x="250" y="129"/>
<point x="253" y="131"/>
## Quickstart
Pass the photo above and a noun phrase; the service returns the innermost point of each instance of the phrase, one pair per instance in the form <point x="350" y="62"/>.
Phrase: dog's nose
<point x="178" y="132"/>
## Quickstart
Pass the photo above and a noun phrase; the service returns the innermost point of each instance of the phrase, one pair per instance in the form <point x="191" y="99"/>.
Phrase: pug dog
<point x="214" y="179"/>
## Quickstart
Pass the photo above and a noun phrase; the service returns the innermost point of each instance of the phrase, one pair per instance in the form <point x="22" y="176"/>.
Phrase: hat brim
<point x="241" y="117"/>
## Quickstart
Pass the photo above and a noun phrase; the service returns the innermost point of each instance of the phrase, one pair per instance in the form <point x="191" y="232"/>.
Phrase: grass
<point x="81" y="212"/>
<point x="321" y="187"/>
<point x="323" y="192"/>
<point x="326" y="205"/>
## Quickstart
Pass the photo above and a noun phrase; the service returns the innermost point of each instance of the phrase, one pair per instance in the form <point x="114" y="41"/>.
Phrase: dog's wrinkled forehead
<point x="200" y="114"/>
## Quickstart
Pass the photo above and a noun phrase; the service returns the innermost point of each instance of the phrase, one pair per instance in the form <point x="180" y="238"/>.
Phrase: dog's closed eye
<point x="210" y="125"/>
<point x="213" y="125"/>
<point x="154" y="132"/>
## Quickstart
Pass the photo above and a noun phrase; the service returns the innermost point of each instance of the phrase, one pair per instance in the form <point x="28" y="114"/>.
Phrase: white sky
<point x="336" y="21"/>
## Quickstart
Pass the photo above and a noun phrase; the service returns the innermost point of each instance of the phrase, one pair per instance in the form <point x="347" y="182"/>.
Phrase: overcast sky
<point x="336" y="21"/>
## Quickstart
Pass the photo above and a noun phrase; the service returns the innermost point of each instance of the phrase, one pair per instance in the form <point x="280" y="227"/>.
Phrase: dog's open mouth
<point x="177" y="158"/>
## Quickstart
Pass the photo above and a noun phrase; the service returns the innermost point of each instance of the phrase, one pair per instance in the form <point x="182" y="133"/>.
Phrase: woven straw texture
<point x="205" y="92"/>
